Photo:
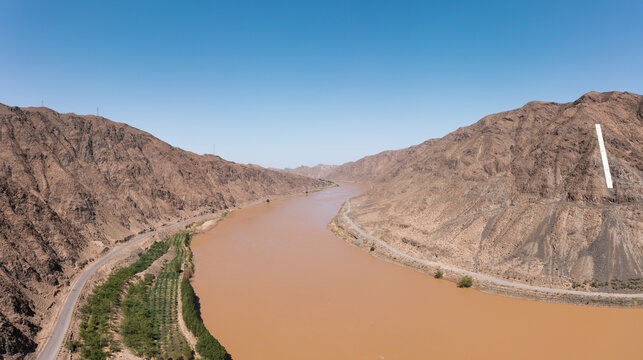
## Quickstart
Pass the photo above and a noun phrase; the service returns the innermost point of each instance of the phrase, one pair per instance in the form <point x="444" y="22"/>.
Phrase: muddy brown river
<point x="275" y="283"/>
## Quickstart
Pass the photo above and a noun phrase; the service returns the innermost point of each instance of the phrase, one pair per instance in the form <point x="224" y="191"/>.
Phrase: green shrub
<point x="187" y="352"/>
<point x="73" y="345"/>
<point x="176" y="266"/>
<point x="438" y="274"/>
<point x="137" y="327"/>
<point x="465" y="282"/>
<point x="372" y="247"/>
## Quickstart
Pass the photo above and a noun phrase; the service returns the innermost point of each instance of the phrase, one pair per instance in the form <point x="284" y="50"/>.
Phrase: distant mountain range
<point x="519" y="195"/>
<point x="316" y="172"/>
<point x="71" y="186"/>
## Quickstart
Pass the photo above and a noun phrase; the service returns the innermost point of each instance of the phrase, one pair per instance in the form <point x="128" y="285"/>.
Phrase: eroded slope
<point x="519" y="194"/>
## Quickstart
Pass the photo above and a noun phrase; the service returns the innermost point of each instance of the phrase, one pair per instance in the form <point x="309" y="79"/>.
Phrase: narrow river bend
<point x="275" y="283"/>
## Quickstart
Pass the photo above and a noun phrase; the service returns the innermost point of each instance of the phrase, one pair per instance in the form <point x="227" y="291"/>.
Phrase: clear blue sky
<point x="286" y="83"/>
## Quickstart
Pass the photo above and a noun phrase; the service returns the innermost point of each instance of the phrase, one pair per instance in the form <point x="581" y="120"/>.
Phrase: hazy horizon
<point x="287" y="84"/>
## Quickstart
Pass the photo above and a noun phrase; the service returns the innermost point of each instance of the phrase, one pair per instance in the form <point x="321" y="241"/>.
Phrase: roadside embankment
<point x="344" y="227"/>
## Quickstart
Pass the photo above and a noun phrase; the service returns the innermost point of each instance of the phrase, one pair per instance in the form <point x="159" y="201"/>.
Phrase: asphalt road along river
<point x="275" y="283"/>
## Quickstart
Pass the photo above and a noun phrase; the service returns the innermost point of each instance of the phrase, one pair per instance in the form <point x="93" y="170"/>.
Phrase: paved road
<point x="55" y="340"/>
<point x="479" y="276"/>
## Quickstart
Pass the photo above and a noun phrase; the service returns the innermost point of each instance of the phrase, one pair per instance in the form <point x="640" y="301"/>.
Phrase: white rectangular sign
<point x="606" y="166"/>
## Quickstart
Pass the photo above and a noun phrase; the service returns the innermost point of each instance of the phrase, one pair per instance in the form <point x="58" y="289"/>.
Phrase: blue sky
<point x="284" y="83"/>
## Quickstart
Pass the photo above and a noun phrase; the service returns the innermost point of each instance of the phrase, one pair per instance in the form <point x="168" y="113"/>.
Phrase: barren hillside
<point x="519" y="194"/>
<point x="71" y="186"/>
<point x="315" y="172"/>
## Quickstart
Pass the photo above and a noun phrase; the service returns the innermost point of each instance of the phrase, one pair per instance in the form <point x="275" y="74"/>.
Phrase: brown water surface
<point x="274" y="283"/>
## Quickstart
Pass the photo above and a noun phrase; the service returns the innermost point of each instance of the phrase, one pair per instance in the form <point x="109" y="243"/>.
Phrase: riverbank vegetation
<point x="207" y="346"/>
<point x="150" y="318"/>
<point x="149" y="325"/>
<point x="329" y="184"/>
<point x="97" y="315"/>
<point x="137" y="328"/>
<point x="163" y="302"/>
<point x="438" y="274"/>
<point x="465" y="282"/>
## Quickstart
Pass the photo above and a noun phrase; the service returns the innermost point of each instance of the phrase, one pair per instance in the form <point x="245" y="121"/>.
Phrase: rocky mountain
<point x="72" y="186"/>
<point x="519" y="194"/>
<point x="315" y="172"/>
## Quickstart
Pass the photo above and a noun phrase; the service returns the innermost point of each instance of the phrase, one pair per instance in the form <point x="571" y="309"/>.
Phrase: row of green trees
<point x="163" y="303"/>
<point x="150" y="325"/>
<point x="137" y="328"/>
<point x="95" y="326"/>
<point x="207" y="346"/>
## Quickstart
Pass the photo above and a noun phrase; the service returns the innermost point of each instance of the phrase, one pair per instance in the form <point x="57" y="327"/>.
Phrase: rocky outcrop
<point x="519" y="194"/>
<point x="72" y="186"/>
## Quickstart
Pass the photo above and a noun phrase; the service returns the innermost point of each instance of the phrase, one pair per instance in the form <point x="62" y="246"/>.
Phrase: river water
<point x="275" y="283"/>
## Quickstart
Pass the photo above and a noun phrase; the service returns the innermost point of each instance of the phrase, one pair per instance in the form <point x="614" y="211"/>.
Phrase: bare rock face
<point x="71" y="186"/>
<point x="519" y="194"/>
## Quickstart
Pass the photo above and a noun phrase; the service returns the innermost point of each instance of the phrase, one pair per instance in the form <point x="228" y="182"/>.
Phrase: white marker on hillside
<point x="606" y="166"/>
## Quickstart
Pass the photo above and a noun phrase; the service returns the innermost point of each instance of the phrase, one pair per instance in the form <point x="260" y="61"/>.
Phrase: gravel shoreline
<point x="344" y="227"/>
